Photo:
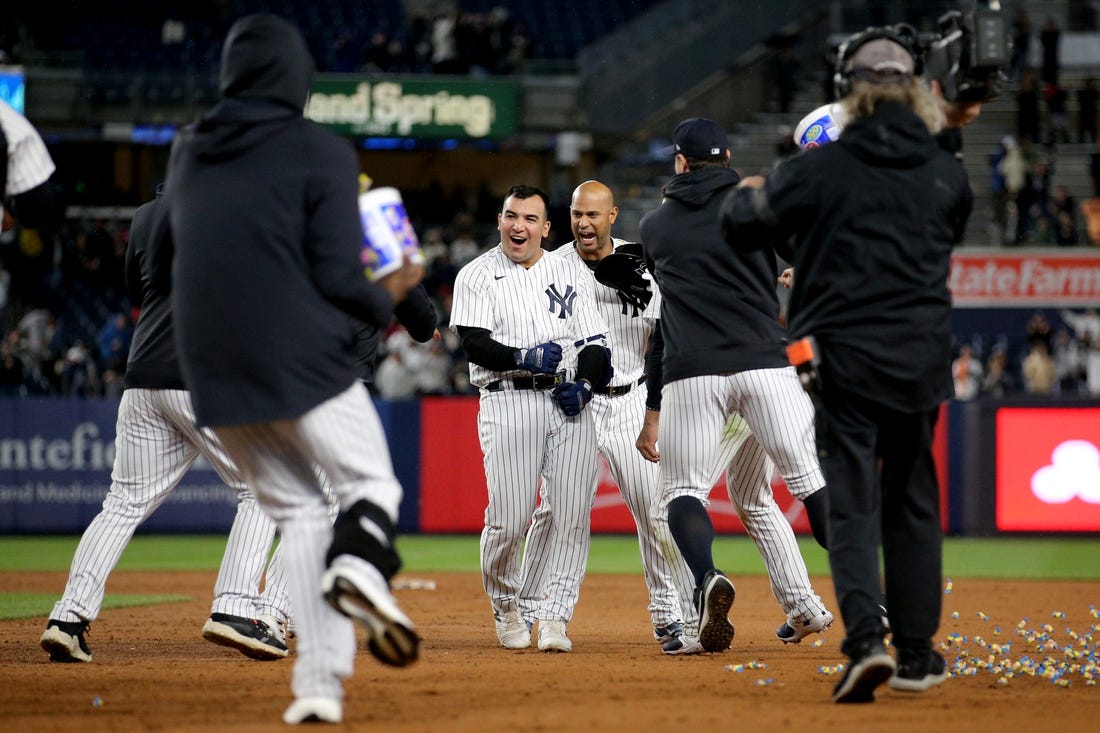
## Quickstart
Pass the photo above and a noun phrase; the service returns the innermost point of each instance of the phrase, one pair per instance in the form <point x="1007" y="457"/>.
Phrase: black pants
<point x="882" y="490"/>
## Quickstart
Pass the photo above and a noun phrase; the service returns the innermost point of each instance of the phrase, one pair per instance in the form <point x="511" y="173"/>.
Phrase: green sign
<point x="415" y="108"/>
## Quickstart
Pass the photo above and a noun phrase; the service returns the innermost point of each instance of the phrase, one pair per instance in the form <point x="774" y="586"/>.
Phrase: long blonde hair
<point x="915" y="94"/>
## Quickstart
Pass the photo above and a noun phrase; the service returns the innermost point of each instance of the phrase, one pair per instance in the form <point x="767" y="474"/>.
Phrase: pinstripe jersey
<point x="29" y="163"/>
<point x="627" y="336"/>
<point x="522" y="307"/>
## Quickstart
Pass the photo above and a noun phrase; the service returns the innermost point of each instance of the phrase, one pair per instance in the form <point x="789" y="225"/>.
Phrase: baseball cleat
<point x="920" y="673"/>
<point x="867" y="669"/>
<point x="358" y="590"/>
<point x="795" y="630"/>
<point x="64" y="640"/>
<point x="512" y="631"/>
<point x="314" y="710"/>
<point x="665" y="634"/>
<point x="683" y="644"/>
<point x="552" y="636"/>
<point x="715" y="599"/>
<point x="251" y="637"/>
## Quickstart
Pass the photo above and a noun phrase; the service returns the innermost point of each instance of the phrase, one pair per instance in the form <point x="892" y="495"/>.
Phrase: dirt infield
<point x="153" y="671"/>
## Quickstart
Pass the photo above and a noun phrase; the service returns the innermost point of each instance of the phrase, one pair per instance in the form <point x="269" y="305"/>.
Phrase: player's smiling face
<point x="523" y="224"/>
<point x="591" y="215"/>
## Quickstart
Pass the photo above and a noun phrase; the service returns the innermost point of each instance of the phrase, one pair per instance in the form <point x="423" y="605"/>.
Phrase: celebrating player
<point x="618" y="410"/>
<point x="537" y="350"/>
<point x="723" y="353"/>
<point x="266" y="269"/>
<point x="156" y="442"/>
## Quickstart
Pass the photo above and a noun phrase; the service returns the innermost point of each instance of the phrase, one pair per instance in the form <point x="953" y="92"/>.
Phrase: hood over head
<point x="265" y="57"/>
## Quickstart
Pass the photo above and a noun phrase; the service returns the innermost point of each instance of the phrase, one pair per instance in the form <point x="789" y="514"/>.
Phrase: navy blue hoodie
<point x="266" y="232"/>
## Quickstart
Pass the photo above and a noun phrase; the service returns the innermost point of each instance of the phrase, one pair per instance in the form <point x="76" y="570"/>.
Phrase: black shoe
<point x="714" y="598"/>
<point x="64" y="640"/>
<point x="249" y="636"/>
<point x="868" y="668"/>
<point x="920" y="672"/>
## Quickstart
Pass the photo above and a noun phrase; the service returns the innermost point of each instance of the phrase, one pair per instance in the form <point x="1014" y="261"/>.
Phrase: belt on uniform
<point x="539" y="381"/>
<point x="616" y="391"/>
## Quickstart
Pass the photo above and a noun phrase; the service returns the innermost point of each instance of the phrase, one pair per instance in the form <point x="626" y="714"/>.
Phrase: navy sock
<point x="817" y="511"/>
<point x="693" y="533"/>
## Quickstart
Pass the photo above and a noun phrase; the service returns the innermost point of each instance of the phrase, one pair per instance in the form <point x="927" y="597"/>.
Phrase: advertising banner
<point x="1005" y="279"/>
<point x="1048" y="469"/>
<point x="411" y="107"/>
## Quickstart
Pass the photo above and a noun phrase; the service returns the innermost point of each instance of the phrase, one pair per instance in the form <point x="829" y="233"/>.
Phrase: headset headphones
<point x="902" y="34"/>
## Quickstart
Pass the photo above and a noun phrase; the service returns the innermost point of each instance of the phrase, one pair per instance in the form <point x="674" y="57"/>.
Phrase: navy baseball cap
<point x="698" y="137"/>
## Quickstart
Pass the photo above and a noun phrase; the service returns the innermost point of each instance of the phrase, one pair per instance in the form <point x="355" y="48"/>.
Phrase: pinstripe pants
<point x="156" y="441"/>
<point x="524" y="436"/>
<point x="618" y="421"/>
<point x="345" y="438"/>
<point x="746" y="423"/>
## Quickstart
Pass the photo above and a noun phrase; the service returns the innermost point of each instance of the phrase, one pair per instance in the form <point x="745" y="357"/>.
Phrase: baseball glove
<point x="624" y="270"/>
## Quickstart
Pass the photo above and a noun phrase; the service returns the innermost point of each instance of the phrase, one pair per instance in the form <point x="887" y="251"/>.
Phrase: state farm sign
<point x="999" y="279"/>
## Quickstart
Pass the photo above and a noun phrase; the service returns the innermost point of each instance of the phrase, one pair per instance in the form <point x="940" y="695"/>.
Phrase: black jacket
<point x="152" y="363"/>
<point x="267" y="238"/>
<point x="719" y="309"/>
<point x="874" y="218"/>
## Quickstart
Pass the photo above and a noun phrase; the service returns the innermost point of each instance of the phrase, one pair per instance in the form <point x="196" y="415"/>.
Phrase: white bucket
<point x="387" y="234"/>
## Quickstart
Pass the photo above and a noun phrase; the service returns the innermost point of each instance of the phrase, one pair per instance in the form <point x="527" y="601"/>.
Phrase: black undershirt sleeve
<point x="654" y="371"/>
<point x="483" y="350"/>
<point x="592" y="364"/>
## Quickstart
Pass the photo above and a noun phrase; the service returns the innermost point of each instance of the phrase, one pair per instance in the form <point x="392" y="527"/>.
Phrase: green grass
<point x="1024" y="558"/>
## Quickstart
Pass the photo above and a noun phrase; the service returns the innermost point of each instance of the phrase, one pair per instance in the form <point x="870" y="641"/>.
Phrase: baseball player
<point x="723" y="353"/>
<point x="156" y="442"/>
<point x="537" y="349"/>
<point x="266" y="241"/>
<point x="618" y="411"/>
<point x="25" y="190"/>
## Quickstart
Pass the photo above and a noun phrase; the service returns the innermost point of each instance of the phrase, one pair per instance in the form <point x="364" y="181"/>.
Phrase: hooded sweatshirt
<point x="719" y="309"/>
<point x="874" y="218"/>
<point x="266" y="234"/>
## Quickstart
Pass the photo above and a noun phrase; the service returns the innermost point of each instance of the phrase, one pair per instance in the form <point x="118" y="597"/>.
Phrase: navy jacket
<point x="719" y="308"/>
<point x="266" y="235"/>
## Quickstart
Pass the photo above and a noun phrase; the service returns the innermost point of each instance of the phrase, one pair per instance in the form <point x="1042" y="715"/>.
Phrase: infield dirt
<point x="152" y="670"/>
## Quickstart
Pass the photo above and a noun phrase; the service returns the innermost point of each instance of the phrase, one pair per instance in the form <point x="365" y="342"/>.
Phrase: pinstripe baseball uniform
<point x="156" y="442"/>
<point x="618" y="418"/>
<point x="522" y="432"/>
<point x="724" y="355"/>
<point x="29" y="163"/>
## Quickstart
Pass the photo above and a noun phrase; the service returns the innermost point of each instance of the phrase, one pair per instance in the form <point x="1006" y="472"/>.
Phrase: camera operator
<point x="874" y="217"/>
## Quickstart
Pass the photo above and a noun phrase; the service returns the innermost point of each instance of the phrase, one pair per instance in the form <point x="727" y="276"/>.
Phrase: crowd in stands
<point x="1027" y="209"/>
<point x="1060" y="360"/>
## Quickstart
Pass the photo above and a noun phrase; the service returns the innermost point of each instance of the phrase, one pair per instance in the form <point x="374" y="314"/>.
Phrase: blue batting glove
<point x="541" y="359"/>
<point x="572" y="397"/>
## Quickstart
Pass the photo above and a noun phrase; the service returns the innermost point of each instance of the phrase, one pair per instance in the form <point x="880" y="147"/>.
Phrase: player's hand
<point x="647" y="438"/>
<point x="786" y="278"/>
<point x="751" y="182"/>
<point x="399" y="282"/>
<point x="572" y="397"/>
<point x="541" y="359"/>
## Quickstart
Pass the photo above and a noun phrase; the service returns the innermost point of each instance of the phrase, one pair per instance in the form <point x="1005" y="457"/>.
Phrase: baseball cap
<point x="698" y="137"/>
<point x="882" y="56"/>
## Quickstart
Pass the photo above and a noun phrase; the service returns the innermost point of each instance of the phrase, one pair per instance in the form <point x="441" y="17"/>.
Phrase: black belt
<point x="616" y="391"/>
<point x="539" y="381"/>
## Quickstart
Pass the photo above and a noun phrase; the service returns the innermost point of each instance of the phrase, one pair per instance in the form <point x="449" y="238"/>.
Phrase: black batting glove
<point x="541" y="359"/>
<point x="572" y="397"/>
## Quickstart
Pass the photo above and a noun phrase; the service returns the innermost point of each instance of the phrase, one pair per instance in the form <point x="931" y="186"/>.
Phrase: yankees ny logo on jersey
<point x="565" y="302"/>
<point x="630" y="309"/>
